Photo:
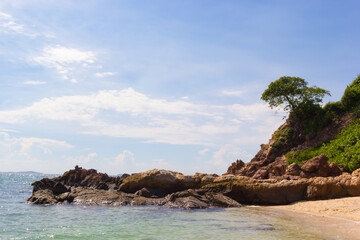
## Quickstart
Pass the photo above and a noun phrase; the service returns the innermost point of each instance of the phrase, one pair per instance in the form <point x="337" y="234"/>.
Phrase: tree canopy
<point x="291" y="93"/>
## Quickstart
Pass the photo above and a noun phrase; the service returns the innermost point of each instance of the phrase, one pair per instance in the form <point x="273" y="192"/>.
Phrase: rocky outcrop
<point x="270" y="161"/>
<point x="319" y="166"/>
<point x="167" y="181"/>
<point x="199" y="198"/>
<point x="89" y="178"/>
<point x="173" y="189"/>
<point x="154" y="187"/>
<point x="315" y="167"/>
<point x="235" y="167"/>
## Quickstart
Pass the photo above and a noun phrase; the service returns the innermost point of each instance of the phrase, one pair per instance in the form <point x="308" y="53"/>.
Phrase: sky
<point x="128" y="86"/>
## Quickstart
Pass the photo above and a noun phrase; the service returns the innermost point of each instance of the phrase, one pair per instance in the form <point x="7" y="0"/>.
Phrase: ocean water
<point x="19" y="220"/>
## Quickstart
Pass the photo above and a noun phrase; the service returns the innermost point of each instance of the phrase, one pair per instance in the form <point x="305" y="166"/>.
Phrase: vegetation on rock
<point x="292" y="93"/>
<point x="344" y="150"/>
<point x="301" y="101"/>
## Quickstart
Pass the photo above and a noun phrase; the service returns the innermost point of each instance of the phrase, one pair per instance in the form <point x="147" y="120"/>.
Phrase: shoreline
<point x="333" y="219"/>
<point x="342" y="208"/>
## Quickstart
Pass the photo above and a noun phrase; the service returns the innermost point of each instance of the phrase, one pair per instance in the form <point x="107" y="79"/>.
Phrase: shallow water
<point x="25" y="221"/>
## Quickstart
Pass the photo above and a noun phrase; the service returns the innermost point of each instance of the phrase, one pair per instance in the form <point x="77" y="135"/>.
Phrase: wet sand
<point x="333" y="218"/>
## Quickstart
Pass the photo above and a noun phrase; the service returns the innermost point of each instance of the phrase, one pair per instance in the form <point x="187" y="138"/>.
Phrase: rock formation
<point x="270" y="161"/>
<point x="173" y="189"/>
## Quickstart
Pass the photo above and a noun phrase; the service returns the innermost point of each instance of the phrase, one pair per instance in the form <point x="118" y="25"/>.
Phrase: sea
<point x="19" y="220"/>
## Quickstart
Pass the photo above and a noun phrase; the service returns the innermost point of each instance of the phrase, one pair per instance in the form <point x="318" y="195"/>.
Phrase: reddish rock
<point x="235" y="167"/>
<point x="319" y="167"/>
<point x="314" y="164"/>
<point x="277" y="168"/>
<point x="90" y="178"/>
<point x="293" y="170"/>
<point x="290" y="137"/>
<point x="261" y="174"/>
<point x="334" y="169"/>
<point x="249" y="169"/>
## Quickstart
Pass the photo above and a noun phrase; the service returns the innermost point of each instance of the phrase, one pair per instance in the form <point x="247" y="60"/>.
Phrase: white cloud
<point x="124" y="158"/>
<point x="238" y="93"/>
<point x="65" y="60"/>
<point x="29" y="153"/>
<point x="8" y="24"/>
<point x="125" y="162"/>
<point x="82" y="160"/>
<point x="34" y="82"/>
<point x="23" y="145"/>
<point x="228" y="154"/>
<point x="86" y="107"/>
<point x="130" y="114"/>
<point x="104" y="74"/>
<point x="204" y="151"/>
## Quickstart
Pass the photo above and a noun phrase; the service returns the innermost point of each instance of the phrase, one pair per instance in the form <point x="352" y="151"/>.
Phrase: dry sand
<point x="347" y="208"/>
<point x="338" y="218"/>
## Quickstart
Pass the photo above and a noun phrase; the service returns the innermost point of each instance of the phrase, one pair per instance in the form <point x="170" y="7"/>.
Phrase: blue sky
<point x="127" y="86"/>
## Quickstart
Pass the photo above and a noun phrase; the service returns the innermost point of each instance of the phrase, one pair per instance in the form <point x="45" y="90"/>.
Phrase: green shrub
<point x="334" y="108"/>
<point x="312" y="117"/>
<point x="285" y="133"/>
<point x="344" y="150"/>
<point x="351" y="97"/>
<point x="278" y="144"/>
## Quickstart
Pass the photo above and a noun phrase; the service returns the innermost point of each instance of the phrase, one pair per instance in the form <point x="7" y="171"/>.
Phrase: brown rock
<point x="43" y="197"/>
<point x="293" y="169"/>
<point x="46" y="183"/>
<point x="261" y="174"/>
<point x="334" y="169"/>
<point x="150" y="193"/>
<point x="314" y="164"/>
<point x="159" y="179"/>
<point x="235" y="167"/>
<point x="290" y="137"/>
<point x="190" y="199"/>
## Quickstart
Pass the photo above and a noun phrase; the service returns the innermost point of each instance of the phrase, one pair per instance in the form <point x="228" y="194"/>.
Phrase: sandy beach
<point x="347" y="208"/>
<point x="334" y="218"/>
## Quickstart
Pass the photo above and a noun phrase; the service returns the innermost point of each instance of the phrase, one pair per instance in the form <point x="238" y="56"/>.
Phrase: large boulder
<point x="168" y="181"/>
<point x="293" y="170"/>
<point x="199" y="198"/>
<point x="319" y="167"/>
<point x="46" y="183"/>
<point x="89" y="178"/>
<point x="86" y="178"/>
<point x="43" y="197"/>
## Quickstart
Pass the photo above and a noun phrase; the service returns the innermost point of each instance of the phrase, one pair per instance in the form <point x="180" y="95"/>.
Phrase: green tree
<point x="292" y="93"/>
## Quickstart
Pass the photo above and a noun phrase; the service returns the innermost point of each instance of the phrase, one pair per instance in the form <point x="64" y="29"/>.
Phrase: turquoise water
<point x="25" y="221"/>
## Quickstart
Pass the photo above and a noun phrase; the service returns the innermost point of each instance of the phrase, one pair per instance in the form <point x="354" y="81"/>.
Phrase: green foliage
<point x="278" y="144"/>
<point x="285" y="133"/>
<point x="351" y="95"/>
<point x="292" y="92"/>
<point x="312" y="117"/>
<point x="355" y="111"/>
<point x="334" y="108"/>
<point x="343" y="150"/>
<point x="281" y="137"/>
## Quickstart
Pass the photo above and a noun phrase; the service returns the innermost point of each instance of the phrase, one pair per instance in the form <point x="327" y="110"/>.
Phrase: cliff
<point x="327" y="137"/>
